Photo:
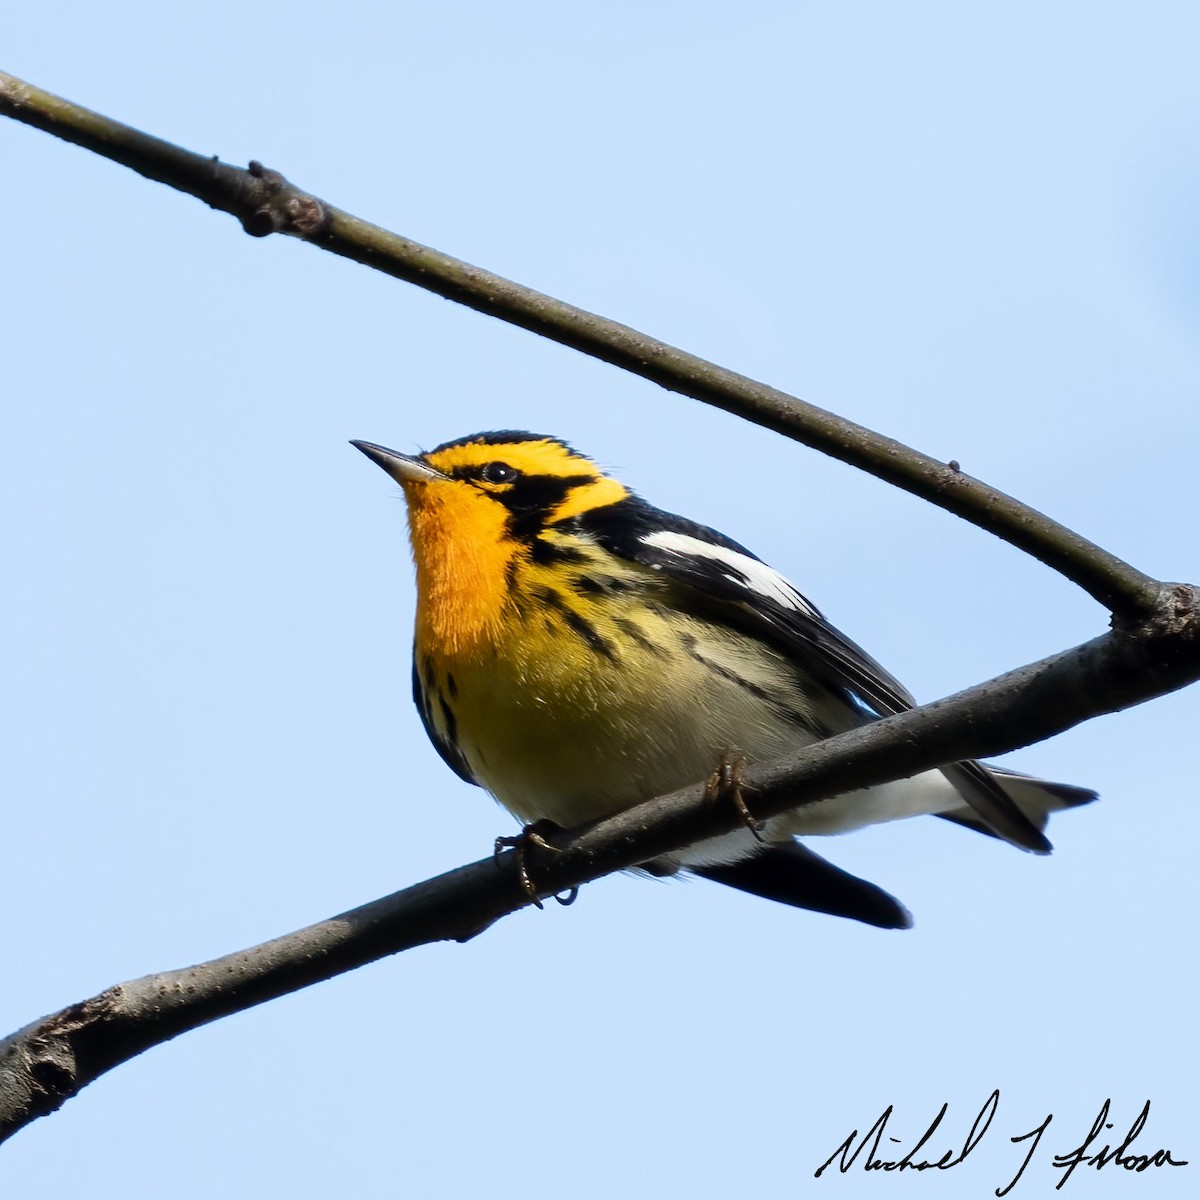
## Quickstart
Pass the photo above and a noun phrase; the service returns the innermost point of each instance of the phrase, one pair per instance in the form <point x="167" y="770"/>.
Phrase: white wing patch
<point x="747" y="572"/>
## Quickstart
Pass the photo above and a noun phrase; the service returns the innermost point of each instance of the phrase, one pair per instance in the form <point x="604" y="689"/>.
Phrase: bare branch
<point x="266" y="203"/>
<point x="51" y="1060"/>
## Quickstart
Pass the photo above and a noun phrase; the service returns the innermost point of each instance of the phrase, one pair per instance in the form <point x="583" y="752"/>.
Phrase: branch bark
<point x="265" y="203"/>
<point x="51" y="1060"/>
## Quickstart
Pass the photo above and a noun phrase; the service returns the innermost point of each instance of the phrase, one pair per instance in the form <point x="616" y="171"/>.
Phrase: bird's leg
<point x="725" y="784"/>
<point x="533" y="837"/>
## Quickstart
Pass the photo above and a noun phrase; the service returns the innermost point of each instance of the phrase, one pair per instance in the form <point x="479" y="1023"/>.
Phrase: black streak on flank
<point x="550" y="598"/>
<point x="451" y="686"/>
<point x="630" y="629"/>
<point x="589" y="585"/>
<point x="446" y="747"/>
<point x="588" y="633"/>
<point x="577" y="624"/>
<point x="586" y="585"/>
<point x="448" y="720"/>
<point x="799" y="719"/>
<point x="546" y="553"/>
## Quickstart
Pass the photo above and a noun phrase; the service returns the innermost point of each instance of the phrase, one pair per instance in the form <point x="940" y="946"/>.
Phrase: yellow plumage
<point x="578" y="651"/>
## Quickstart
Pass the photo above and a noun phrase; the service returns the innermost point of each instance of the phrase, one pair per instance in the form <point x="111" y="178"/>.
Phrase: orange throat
<point x="462" y="553"/>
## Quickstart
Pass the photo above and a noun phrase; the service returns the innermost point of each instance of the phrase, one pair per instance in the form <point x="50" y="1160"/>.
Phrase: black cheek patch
<point x="532" y="498"/>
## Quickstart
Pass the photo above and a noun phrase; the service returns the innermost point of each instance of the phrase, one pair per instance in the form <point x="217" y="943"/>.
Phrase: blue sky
<point x="971" y="227"/>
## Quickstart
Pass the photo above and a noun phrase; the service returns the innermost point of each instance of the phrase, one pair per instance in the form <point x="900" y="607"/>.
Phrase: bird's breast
<point x="587" y="706"/>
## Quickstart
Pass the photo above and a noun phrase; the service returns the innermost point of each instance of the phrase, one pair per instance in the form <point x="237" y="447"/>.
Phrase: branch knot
<point x="273" y="205"/>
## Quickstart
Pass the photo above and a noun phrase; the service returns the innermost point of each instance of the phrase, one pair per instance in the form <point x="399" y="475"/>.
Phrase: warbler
<point x="578" y="651"/>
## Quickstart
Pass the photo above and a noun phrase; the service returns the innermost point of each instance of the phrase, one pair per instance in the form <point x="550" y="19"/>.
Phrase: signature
<point x="918" y="1158"/>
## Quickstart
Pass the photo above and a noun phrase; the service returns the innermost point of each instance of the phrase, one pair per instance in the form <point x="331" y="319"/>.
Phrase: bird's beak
<point x="403" y="468"/>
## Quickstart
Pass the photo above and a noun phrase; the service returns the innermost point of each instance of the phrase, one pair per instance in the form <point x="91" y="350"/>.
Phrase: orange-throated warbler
<point x="578" y="651"/>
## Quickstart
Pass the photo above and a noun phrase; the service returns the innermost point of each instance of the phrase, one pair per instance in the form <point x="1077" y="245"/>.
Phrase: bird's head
<point x="505" y="485"/>
<point x="480" y="504"/>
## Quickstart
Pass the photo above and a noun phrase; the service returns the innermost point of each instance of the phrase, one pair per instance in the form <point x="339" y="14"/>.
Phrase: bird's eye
<point x="498" y="472"/>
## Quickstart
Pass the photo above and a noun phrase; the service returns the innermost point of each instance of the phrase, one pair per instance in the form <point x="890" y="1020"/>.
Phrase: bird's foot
<point x="725" y="785"/>
<point x="533" y="837"/>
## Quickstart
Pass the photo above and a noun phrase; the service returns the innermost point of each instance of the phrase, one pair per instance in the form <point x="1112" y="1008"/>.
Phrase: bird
<point x="578" y="651"/>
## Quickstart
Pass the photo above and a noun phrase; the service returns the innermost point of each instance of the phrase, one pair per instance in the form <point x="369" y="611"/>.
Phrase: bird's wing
<point x="723" y="581"/>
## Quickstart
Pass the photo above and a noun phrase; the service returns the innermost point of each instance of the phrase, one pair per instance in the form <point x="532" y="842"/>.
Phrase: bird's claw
<point x="533" y="837"/>
<point x="725" y="784"/>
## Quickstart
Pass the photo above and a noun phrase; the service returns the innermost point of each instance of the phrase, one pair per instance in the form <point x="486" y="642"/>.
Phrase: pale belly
<point x="558" y="733"/>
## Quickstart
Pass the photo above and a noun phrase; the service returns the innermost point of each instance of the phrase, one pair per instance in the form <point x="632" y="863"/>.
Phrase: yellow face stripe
<point x="603" y="490"/>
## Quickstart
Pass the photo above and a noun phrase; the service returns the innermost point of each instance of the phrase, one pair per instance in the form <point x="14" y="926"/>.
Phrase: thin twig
<point x="266" y="203"/>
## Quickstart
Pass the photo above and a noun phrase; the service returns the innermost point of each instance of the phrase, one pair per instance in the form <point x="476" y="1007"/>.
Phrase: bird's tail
<point x="793" y="874"/>
<point x="1036" y="798"/>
